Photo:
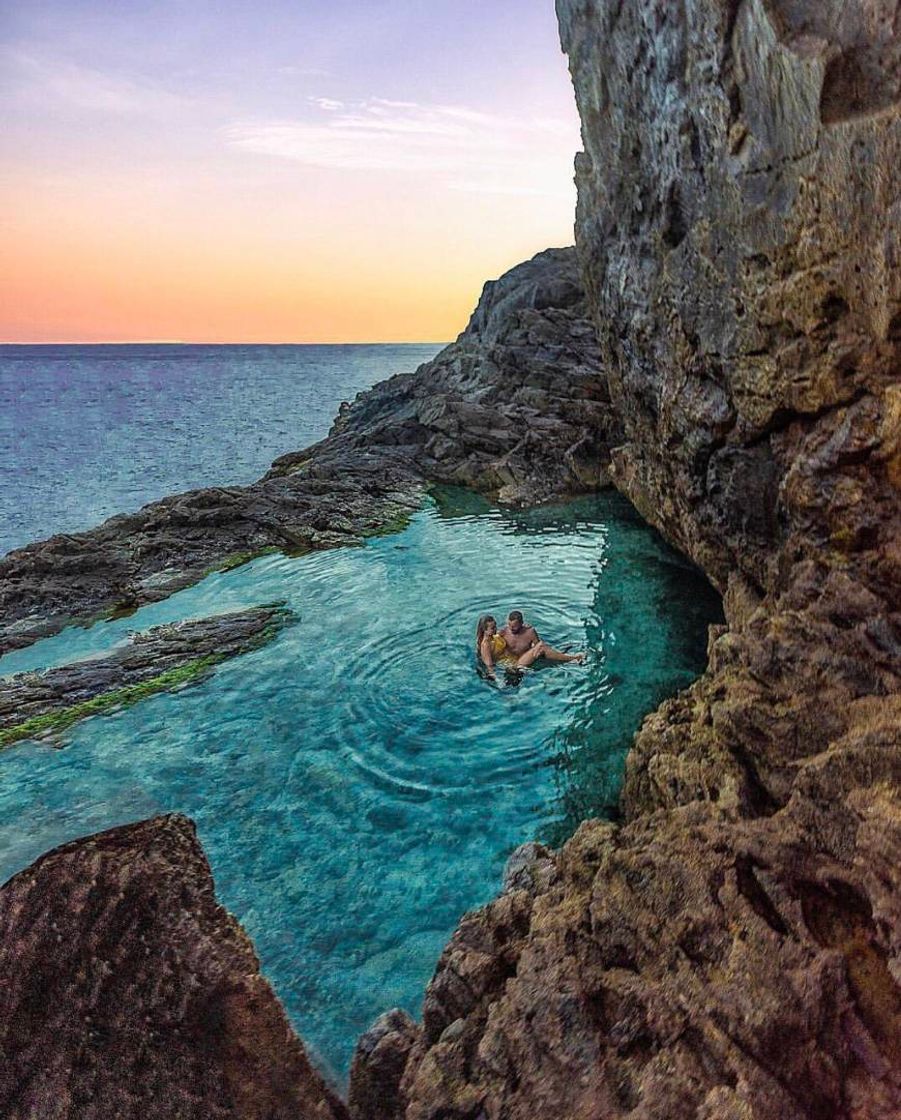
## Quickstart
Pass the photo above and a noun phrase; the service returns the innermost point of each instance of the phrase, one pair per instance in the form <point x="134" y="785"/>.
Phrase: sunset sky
<point x="277" y="171"/>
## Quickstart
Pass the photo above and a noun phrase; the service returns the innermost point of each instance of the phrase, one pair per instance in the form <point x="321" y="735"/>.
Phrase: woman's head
<point x="486" y="628"/>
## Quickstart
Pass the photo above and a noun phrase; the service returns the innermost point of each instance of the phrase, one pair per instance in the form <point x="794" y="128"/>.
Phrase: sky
<point x="277" y="170"/>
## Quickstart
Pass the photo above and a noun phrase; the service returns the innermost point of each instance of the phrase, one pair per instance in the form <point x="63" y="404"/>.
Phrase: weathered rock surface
<point x="127" y="991"/>
<point x="156" y="659"/>
<point x="733" y="949"/>
<point x="515" y="406"/>
<point x="379" y="1063"/>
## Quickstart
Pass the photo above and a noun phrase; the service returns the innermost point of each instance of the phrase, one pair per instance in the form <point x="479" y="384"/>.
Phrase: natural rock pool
<point x="356" y="784"/>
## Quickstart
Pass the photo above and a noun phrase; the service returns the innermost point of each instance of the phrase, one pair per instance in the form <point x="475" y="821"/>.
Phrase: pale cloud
<point x="57" y="83"/>
<point x="327" y="103"/>
<point x="472" y="150"/>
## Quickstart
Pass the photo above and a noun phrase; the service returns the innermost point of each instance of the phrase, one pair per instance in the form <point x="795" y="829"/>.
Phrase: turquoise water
<point x="90" y="431"/>
<point x="356" y="784"/>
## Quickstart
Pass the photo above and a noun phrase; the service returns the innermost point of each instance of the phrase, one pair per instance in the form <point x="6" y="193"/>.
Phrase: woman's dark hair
<point x="480" y="629"/>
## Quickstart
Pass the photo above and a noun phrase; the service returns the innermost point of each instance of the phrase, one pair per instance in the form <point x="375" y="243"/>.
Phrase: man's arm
<point x="533" y="637"/>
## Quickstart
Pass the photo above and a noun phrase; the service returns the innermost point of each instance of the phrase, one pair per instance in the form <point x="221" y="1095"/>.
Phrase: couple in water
<point x="517" y="646"/>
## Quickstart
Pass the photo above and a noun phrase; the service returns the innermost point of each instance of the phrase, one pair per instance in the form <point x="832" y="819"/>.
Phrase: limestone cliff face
<point x="733" y="949"/>
<point x="126" y="991"/>
<point x="738" y="225"/>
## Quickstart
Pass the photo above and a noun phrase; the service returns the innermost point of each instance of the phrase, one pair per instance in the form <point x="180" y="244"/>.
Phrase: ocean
<point x="90" y="431"/>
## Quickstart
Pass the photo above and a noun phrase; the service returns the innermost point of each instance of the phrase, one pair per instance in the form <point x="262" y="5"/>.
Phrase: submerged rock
<point x="516" y="406"/>
<point x="156" y="660"/>
<point x="128" y="992"/>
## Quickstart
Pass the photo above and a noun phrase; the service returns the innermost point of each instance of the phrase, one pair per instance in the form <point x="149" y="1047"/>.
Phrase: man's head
<point x="514" y="621"/>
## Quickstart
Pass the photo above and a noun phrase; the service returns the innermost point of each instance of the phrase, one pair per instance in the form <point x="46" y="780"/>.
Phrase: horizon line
<point x="180" y="342"/>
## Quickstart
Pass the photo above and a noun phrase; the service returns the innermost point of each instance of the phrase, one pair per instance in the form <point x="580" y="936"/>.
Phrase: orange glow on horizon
<point x="237" y="190"/>
<point x="68" y="280"/>
<point x="71" y="275"/>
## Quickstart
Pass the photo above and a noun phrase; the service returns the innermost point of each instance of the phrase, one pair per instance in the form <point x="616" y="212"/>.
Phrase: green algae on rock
<point x="36" y="727"/>
<point x="164" y="658"/>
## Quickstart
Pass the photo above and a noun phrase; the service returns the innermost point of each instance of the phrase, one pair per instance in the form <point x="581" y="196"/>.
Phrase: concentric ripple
<point x="357" y="784"/>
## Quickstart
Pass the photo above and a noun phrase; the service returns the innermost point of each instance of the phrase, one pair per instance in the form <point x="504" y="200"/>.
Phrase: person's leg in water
<point x="542" y="649"/>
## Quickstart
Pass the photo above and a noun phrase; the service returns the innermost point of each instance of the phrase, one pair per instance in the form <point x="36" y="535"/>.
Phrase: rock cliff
<point x="127" y="991"/>
<point x="733" y="949"/>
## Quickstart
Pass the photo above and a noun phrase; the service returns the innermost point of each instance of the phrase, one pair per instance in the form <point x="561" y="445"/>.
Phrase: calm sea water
<point x="90" y="431"/>
<point x="356" y="784"/>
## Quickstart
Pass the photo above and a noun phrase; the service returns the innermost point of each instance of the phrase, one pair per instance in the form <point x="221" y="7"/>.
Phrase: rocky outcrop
<point x="515" y="406"/>
<point x="379" y="1063"/>
<point x="127" y="991"/>
<point x="156" y="660"/>
<point x="733" y="948"/>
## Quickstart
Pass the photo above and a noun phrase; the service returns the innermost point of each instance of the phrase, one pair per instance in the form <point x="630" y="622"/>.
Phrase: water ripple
<point x="357" y="783"/>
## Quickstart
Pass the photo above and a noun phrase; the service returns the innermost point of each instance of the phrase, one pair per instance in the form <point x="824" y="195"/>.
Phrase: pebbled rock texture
<point x="732" y="949"/>
<point x="516" y="406"/>
<point x="126" y="991"/>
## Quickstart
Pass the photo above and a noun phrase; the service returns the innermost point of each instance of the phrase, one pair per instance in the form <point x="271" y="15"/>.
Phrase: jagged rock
<point x="155" y="660"/>
<point x="378" y="1065"/>
<point x="516" y="406"/>
<point x="127" y="991"/>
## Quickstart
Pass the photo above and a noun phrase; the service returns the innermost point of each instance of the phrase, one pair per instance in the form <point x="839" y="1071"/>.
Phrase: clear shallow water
<point x="90" y="431"/>
<point x="356" y="784"/>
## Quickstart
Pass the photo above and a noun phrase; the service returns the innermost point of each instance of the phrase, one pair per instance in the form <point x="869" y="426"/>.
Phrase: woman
<point x="489" y="644"/>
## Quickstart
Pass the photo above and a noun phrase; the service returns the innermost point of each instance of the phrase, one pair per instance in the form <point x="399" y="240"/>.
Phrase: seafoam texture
<point x="733" y="948"/>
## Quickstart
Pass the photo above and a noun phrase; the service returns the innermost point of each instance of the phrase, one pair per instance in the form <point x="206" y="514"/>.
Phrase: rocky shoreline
<point x="39" y="704"/>
<point x="513" y="407"/>
<point x="732" y="948"/>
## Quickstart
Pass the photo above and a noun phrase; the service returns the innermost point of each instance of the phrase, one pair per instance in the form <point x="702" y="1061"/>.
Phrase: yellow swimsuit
<point x="498" y="645"/>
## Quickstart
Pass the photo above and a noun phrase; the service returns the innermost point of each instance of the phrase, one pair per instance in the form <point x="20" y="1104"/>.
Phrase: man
<point x="523" y="643"/>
